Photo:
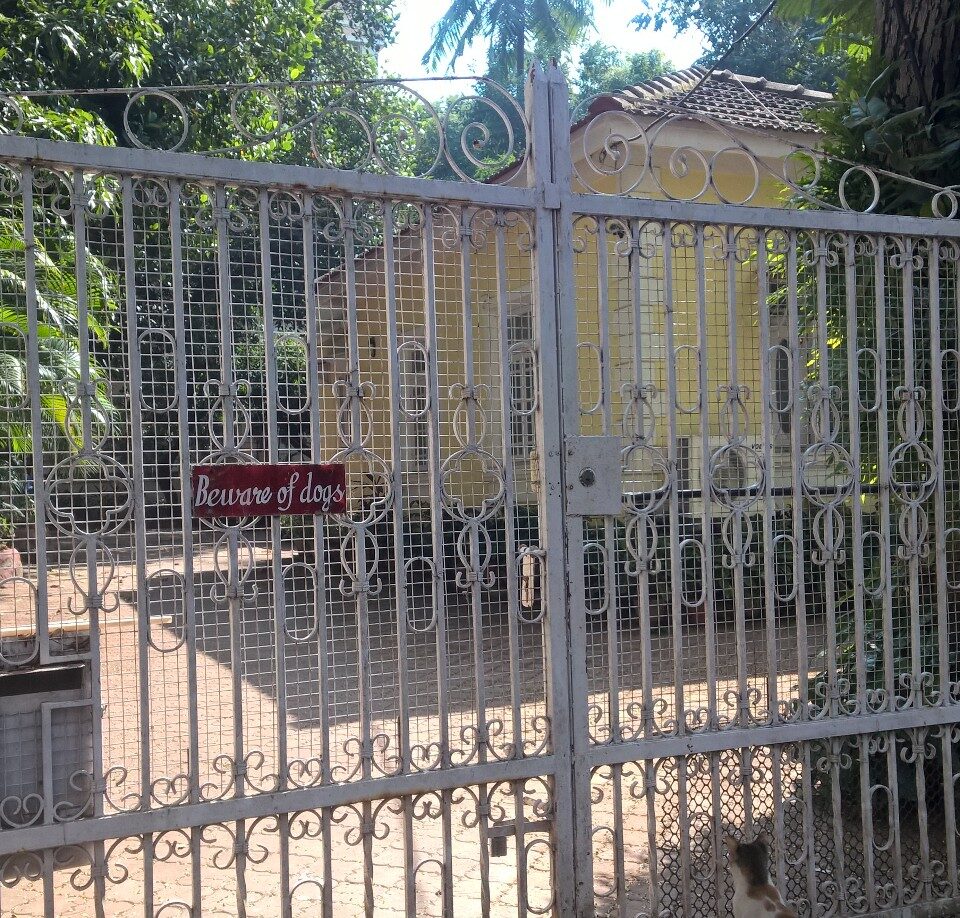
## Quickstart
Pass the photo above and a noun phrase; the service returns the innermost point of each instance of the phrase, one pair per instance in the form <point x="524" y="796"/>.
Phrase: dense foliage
<point x="781" y="50"/>
<point x="603" y="68"/>
<point x="899" y="97"/>
<point x="898" y="109"/>
<point x="100" y="44"/>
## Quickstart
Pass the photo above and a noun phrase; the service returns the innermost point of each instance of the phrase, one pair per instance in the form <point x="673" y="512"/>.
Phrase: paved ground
<point x="248" y="698"/>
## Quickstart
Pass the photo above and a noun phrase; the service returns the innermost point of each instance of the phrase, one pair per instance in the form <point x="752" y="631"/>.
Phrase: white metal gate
<point x="651" y="537"/>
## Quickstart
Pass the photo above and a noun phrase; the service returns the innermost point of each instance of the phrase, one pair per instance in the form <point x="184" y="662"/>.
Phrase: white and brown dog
<point x="754" y="896"/>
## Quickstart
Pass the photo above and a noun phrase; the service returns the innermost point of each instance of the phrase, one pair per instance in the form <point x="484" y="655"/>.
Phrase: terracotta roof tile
<point x="730" y="98"/>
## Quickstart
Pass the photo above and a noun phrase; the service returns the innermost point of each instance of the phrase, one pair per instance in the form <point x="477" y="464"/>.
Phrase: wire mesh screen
<point x="460" y="695"/>
<point x="155" y="324"/>
<point x="784" y="557"/>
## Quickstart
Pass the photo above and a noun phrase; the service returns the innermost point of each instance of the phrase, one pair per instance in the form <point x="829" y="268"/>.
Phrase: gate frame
<point x="549" y="196"/>
<point x="567" y="205"/>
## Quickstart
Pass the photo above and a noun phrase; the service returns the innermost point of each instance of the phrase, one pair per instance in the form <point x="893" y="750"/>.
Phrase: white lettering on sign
<point x="205" y="496"/>
<point x="268" y="490"/>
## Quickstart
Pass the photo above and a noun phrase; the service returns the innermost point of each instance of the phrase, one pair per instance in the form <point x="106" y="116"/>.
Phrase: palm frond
<point x="463" y="18"/>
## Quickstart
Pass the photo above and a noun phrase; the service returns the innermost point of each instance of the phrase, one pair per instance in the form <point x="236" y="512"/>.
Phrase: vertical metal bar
<point x="360" y="528"/>
<point x="883" y="471"/>
<point x="140" y="534"/>
<point x="37" y="466"/>
<point x="186" y="518"/>
<point x="676" y="570"/>
<point x="947" y="732"/>
<point x="939" y="471"/>
<point x="403" y="682"/>
<point x="473" y="527"/>
<point x="643" y="567"/>
<point x="853" y="409"/>
<point x="91" y="543"/>
<point x="49" y="898"/>
<point x="893" y="782"/>
<point x="611" y="585"/>
<point x="914" y="417"/>
<point x="950" y="733"/>
<point x="36" y="414"/>
<point x="276" y="543"/>
<point x="923" y="822"/>
<point x="548" y="114"/>
<point x="776" y="771"/>
<point x="316" y="453"/>
<point x="829" y="537"/>
<point x="409" y="876"/>
<point x="234" y="588"/>
<point x="796" y="482"/>
<point x="509" y="522"/>
<point x="835" y="745"/>
<point x="523" y="909"/>
<point x="428" y="240"/>
<point x="619" y="867"/>
<point x="367" y="845"/>
<point x="766" y="435"/>
<point x="736" y="437"/>
<point x="866" y="811"/>
<point x="703" y="346"/>
<point x="483" y="829"/>
<point x="856" y="503"/>
<point x="809" y="839"/>
<point x="650" y="795"/>
<point x="446" y="807"/>
<point x="716" y="791"/>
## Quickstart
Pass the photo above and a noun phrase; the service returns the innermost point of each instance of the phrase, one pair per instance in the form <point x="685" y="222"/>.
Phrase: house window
<point x="523" y="385"/>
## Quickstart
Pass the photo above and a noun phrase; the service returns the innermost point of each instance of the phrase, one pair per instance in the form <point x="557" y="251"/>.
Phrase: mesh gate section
<point x="405" y="854"/>
<point x="786" y="405"/>
<point x="856" y="825"/>
<point x="183" y="322"/>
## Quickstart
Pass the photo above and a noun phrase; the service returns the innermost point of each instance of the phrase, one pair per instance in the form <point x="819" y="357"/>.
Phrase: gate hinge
<point x="551" y="196"/>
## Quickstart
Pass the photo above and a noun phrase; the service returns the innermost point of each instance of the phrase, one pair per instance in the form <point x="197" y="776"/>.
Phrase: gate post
<point x="549" y="172"/>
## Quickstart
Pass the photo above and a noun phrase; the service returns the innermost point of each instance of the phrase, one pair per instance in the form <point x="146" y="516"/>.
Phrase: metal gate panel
<point x="291" y="715"/>
<point x="767" y="622"/>
<point x="478" y="691"/>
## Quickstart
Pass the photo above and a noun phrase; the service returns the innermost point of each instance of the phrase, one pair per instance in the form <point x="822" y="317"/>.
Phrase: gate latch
<point x="594" y="476"/>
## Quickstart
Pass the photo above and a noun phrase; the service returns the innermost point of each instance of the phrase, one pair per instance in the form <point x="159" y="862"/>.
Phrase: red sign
<point x="268" y="490"/>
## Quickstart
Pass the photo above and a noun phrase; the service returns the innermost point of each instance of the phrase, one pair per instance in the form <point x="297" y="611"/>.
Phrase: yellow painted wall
<point x="482" y="300"/>
<point x="471" y="479"/>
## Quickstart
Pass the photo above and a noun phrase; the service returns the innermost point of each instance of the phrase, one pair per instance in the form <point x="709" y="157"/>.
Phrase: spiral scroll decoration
<point x="384" y="126"/>
<point x="615" y="150"/>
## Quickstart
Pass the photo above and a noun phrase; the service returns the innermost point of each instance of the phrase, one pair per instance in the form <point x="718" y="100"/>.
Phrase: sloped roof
<point x="730" y="98"/>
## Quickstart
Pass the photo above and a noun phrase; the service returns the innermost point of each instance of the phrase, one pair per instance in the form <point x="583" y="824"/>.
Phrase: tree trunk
<point x="924" y="35"/>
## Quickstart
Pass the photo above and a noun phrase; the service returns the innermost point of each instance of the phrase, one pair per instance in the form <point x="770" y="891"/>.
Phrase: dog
<point x="754" y="895"/>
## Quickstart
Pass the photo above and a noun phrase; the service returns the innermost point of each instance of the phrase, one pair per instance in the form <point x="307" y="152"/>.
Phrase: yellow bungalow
<point x="729" y="138"/>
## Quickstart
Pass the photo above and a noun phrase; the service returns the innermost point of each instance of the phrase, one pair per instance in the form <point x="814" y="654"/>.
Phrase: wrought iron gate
<point x="651" y="532"/>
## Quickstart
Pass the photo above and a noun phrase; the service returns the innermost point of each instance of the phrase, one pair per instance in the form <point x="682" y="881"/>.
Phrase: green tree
<point x="100" y="44"/>
<point x="786" y="51"/>
<point x="103" y="44"/>
<point x="512" y="29"/>
<point x="604" y="68"/>
<point x="58" y="344"/>
<point x="899" y="103"/>
<point x="898" y="109"/>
